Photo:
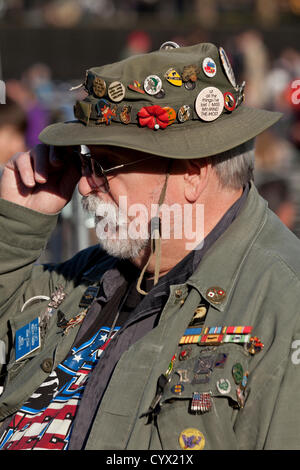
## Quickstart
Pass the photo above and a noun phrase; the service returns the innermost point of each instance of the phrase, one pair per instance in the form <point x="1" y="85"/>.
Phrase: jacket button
<point x="47" y="365"/>
<point x="178" y="293"/>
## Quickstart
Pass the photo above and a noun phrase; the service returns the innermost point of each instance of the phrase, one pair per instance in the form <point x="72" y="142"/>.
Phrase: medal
<point x="201" y="402"/>
<point x="191" y="439"/>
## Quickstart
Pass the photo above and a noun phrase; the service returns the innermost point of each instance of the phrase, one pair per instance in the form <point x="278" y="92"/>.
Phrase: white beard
<point x="111" y="225"/>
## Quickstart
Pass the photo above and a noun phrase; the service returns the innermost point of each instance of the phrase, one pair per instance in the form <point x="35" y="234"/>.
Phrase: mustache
<point x="90" y="203"/>
<point x="102" y="209"/>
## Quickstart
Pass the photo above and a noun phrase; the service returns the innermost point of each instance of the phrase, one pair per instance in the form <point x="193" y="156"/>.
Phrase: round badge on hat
<point x="209" y="67"/>
<point x="171" y="114"/>
<point x="223" y="386"/>
<point x="191" y="439"/>
<point x="116" y="91"/>
<point x="161" y="94"/>
<point x="227" y="67"/>
<point x="99" y="87"/>
<point x="189" y="85"/>
<point x="152" y="84"/>
<point x="209" y="104"/>
<point x="184" y="113"/>
<point x="169" y="45"/>
<point x="229" y="101"/>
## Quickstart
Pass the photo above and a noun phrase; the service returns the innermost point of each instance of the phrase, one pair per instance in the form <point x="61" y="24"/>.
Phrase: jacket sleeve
<point x="23" y="235"/>
<point x="284" y="428"/>
<point x="271" y="417"/>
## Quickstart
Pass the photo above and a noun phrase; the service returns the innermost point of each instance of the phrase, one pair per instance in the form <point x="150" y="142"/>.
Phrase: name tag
<point x="27" y="339"/>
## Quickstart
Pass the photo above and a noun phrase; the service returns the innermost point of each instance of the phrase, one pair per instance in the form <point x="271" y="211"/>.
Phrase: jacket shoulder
<point x="89" y="264"/>
<point x="277" y="243"/>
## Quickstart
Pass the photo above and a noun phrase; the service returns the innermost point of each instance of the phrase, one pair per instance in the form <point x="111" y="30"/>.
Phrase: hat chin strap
<point x="155" y="241"/>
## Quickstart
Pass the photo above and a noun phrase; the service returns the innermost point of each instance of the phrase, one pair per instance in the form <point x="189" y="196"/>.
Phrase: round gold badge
<point x="191" y="439"/>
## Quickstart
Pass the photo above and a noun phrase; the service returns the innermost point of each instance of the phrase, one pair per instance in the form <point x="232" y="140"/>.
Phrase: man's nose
<point x="87" y="185"/>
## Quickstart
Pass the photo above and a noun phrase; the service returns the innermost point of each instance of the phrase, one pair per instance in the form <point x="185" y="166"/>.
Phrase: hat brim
<point x="192" y="139"/>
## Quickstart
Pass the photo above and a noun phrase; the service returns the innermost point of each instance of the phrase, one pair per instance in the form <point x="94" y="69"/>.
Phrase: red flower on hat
<point x="154" y="117"/>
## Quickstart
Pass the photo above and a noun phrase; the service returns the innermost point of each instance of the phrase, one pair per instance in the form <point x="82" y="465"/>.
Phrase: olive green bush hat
<point x="177" y="102"/>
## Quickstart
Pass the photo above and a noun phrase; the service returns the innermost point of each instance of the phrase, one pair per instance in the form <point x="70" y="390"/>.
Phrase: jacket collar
<point x="221" y="264"/>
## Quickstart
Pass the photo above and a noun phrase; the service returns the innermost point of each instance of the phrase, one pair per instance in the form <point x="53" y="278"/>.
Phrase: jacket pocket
<point x="203" y="397"/>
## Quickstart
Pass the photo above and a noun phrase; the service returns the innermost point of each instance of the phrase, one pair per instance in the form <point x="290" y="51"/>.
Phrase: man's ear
<point x="195" y="178"/>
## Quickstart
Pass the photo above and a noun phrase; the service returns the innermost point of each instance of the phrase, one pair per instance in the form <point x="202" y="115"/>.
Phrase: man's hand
<point x="39" y="179"/>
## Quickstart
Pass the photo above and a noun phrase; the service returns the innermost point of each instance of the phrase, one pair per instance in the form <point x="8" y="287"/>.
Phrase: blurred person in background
<point x="278" y="195"/>
<point x="13" y="126"/>
<point x="137" y="42"/>
<point x="255" y="59"/>
<point x="36" y="113"/>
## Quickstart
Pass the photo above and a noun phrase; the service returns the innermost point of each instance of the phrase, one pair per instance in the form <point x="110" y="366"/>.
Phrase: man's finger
<point x="23" y="164"/>
<point x="40" y="157"/>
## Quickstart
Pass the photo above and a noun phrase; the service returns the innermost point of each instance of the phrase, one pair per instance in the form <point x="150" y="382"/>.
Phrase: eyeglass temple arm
<point x="126" y="164"/>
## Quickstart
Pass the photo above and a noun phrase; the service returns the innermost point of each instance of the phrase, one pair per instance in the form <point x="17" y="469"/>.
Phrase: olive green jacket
<point x="256" y="262"/>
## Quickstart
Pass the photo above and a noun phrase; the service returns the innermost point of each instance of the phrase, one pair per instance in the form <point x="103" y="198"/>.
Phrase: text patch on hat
<point x="27" y="339"/>
<point x="116" y="91"/>
<point x="209" y="103"/>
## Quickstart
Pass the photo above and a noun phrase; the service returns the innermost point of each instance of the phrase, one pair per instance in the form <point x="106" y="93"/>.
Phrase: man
<point x="162" y="341"/>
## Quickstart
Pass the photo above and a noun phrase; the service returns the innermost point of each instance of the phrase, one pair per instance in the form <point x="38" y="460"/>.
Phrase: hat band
<point x="105" y="111"/>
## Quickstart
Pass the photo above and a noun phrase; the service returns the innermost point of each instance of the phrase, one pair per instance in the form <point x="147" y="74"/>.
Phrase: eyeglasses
<point x="93" y="166"/>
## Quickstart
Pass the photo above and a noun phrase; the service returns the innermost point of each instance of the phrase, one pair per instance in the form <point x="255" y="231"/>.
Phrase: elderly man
<point x="182" y="330"/>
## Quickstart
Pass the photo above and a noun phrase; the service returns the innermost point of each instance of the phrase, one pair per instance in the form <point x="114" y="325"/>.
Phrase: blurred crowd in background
<point x="70" y="13"/>
<point x="36" y="98"/>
